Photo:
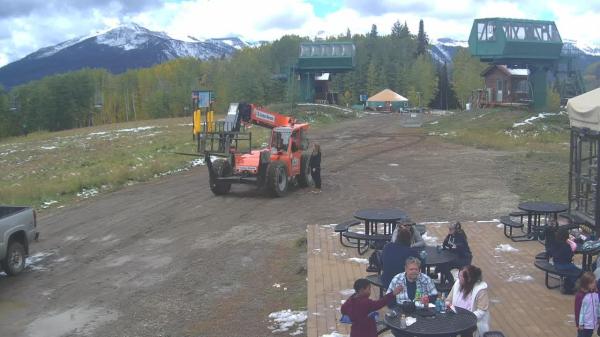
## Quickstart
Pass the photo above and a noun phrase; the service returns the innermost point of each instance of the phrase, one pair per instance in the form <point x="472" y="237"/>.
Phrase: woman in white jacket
<point x="470" y="292"/>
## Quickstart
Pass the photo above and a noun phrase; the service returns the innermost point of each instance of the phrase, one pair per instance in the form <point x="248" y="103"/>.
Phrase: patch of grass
<point x="47" y="167"/>
<point x="537" y="162"/>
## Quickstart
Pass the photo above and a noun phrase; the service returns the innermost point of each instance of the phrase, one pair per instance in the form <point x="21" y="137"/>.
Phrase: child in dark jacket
<point x="456" y="241"/>
<point x="359" y="306"/>
<point x="562" y="257"/>
<point x="587" y="306"/>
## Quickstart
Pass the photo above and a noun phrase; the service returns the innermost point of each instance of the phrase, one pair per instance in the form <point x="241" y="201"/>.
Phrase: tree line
<point x="399" y="61"/>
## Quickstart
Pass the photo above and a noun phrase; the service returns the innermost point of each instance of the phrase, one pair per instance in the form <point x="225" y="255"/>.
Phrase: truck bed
<point x="10" y="210"/>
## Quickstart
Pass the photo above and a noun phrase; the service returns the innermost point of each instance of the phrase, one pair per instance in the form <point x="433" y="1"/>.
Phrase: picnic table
<point x="373" y="218"/>
<point x="437" y="258"/>
<point x="446" y="324"/>
<point x="587" y="256"/>
<point x="535" y="210"/>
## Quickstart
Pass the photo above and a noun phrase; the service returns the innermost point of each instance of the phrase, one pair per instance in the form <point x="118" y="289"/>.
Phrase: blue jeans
<point x="570" y="280"/>
<point x="585" y="333"/>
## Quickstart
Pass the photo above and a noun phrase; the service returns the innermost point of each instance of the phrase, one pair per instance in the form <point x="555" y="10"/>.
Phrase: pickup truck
<point x="17" y="230"/>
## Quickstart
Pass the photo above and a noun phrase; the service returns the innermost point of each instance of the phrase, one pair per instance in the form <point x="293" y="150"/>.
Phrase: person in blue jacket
<point x="395" y="255"/>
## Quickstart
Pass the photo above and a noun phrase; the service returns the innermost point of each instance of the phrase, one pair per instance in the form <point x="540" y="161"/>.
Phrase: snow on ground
<point x="334" y="334"/>
<point x="520" y="278"/>
<point x="358" y="260"/>
<point x="393" y="164"/>
<point x="346" y="293"/>
<point x="430" y="240"/>
<point x="47" y="204"/>
<point x="506" y="248"/>
<point x="529" y="120"/>
<point x="32" y="261"/>
<point x="285" y="320"/>
<point x="47" y="147"/>
<point x="328" y="106"/>
<point x="87" y="193"/>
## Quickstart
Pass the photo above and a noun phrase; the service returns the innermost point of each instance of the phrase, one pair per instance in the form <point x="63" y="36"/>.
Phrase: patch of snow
<point x="47" y="204"/>
<point x="276" y="285"/>
<point x="32" y="261"/>
<point x="334" y="334"/>
<point x="87" y="193"/>
<point x="189" y="124"/>
<point x="284" y="320"/>
<point x="358" y="260"/>
<point x="138" y="129"/>
<point x="346" y="292"/>
<point x="506" y="248"/>
<point x="529" y="120"/>
<point x="328" y="106"/>
<point x="499" y="225"/>
<point x="340" y="254"/>
<point x="393" y="164"/>
<point x="434" y="122"/>
<point x="520" y="278"/>
<point x="47" y="147"/>
<point x="429" y="240"/>
<point x="98" y="133"/>
<point x="487" y="221"/>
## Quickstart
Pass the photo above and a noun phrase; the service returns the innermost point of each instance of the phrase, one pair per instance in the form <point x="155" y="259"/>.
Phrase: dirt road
<point x="168" y="258"/>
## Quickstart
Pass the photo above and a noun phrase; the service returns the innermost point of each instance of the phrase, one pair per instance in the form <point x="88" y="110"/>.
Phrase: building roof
<point x="387" y="95"/>
<point x="506" y="70"/>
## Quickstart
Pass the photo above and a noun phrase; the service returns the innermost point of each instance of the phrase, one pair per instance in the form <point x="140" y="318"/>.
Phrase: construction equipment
<point x="228" y="153"/>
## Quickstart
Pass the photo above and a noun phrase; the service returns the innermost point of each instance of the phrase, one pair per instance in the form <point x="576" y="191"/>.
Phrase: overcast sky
<point x="28" y="25"/>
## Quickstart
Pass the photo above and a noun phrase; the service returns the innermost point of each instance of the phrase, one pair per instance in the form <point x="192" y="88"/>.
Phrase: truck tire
<point x="277" y="179"/>
<point x="305" y="178"/>
<point x="221" y="168"/>
<point x="14" y="262"/>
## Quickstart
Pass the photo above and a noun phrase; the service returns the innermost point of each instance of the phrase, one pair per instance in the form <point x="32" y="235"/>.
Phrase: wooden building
<point x="504" y="85"/>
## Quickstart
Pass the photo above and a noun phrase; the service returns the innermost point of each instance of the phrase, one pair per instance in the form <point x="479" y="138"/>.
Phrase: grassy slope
<point x="537" y="159"/>
<point x="45" y="167"/>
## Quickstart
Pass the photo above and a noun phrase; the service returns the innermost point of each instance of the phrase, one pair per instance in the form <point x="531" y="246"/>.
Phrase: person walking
<point x="315" y="167"/>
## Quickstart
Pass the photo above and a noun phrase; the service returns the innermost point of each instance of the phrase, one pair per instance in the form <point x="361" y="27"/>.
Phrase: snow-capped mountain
<point x="117" y="50"/>
<point x="443" y="50"/>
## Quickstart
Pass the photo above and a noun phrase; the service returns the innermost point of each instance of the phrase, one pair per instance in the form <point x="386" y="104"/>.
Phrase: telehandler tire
<point x="305" y="178"/>
<point x="221" y="168"/>
<point x="277" y="179"/>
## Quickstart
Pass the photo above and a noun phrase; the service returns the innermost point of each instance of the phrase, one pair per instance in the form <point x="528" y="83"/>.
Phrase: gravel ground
<point x="168" y="258"/>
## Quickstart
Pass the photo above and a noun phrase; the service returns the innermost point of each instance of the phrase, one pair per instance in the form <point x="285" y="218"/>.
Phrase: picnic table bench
<point x="509" y="224"/>
<point x="549" y="268"/>
<point x="376" y="239"/>
<point x="343" y="227"/>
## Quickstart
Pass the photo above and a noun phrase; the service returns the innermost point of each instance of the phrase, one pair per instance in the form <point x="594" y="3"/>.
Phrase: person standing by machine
<point x="315" y="167"/>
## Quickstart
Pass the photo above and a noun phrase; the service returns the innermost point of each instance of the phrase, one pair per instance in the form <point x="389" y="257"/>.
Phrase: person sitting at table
<point x="470" y="292"/>
<point x="394" y="256"/>
<point x="359" y="307"/>
<point x="411" y="282"/>
<point x="416" y="240"/>
<point x="456" y="241"/>
<point x="562" y="257"/>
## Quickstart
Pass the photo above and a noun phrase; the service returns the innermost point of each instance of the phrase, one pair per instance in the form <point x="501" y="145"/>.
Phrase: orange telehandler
<point x="283" y="162"/>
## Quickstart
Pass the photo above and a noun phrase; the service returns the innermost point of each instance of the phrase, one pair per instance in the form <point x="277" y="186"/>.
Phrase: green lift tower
<point x="318" y="58"/>
<point x="518" y="43"/>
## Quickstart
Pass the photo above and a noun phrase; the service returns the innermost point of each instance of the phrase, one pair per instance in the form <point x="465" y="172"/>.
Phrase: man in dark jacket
<point x="395" y="255"/>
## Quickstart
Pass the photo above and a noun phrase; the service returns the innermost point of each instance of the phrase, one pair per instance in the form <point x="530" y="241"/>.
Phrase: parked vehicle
<point x="17" y="230"/>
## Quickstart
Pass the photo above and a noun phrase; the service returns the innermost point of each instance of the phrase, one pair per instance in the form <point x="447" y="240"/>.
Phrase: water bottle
<point x="439" y="304"/>
<point x="443" y="310"/>
<point x="403" y="322"/>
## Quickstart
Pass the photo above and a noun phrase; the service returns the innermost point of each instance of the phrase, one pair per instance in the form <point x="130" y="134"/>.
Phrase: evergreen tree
<point x="397" y="29"/>
<point x="446" y="97"/>
<point x="422" y="40"/>
<point x="373" y="33"/>
<point x="348" y="34"/>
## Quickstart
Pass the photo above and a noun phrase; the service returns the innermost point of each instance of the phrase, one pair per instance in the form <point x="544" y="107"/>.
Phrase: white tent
<point x="584" y="110"/>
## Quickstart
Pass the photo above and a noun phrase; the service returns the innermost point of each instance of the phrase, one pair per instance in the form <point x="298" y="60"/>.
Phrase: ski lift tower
<point x="317" y="60"/>
<point x="518" y="43"/>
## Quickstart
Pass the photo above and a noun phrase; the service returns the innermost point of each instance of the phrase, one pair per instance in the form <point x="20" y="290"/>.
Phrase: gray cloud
<point x="20" y="8"/>
<point x="383" y="7"/>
